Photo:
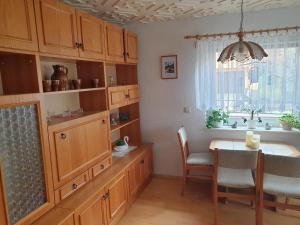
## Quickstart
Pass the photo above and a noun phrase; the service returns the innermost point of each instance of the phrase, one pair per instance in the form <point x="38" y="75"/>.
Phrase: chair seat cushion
<point x="200" y="159"/>
<point x="285" y="186"/>
<point x="235" y="178"/>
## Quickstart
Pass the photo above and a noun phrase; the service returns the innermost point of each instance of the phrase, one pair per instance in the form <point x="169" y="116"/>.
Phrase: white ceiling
<point x="146" y="11"/>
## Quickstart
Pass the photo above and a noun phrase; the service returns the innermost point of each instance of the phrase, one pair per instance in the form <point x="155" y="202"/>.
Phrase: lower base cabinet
<point x="92" y="212"/>
<point x="104" y="200"/>
<point x="117" y="198"/>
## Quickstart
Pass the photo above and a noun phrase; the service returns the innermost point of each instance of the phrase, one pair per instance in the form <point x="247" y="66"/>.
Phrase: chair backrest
<point x="236" y="159"/>
<point x="285" y="166"/>
<point x="182" y="137"/>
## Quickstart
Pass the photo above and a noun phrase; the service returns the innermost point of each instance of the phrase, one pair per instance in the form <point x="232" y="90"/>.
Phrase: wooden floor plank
<point x="162" y="204"/>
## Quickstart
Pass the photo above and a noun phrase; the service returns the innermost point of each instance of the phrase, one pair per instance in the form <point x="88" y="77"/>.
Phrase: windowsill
<point x="258" y="129"/>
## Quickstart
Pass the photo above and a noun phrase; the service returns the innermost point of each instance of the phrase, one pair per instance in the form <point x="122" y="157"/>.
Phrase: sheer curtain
<point x="272" y="85"/>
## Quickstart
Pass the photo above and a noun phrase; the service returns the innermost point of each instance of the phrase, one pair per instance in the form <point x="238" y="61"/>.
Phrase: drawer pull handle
<point x="102" y="166"/>
<point x="74" y="186"/>
<point x="103" y="121"/>
<point x="63" y="136"/>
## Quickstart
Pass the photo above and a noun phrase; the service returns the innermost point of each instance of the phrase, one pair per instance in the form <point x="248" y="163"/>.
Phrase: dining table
<point x="272" y="148"/>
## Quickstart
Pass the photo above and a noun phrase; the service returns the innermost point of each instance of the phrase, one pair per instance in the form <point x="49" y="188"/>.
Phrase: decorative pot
<point x="219" y="124"/>
<point x="60" y="72"/>
<point x="251" y="124"/>
<point x="285" y="125"/>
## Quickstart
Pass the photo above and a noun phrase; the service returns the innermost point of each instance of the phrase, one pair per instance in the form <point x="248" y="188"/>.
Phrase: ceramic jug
<point x="60" y="73"/>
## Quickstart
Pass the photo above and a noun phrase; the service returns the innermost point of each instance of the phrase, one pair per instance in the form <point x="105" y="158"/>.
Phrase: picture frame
<point x="169" y="68"/>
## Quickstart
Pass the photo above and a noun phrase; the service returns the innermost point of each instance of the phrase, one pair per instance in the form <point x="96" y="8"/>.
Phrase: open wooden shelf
<point x="122" y="124"/>
<point x="74" y="91"/>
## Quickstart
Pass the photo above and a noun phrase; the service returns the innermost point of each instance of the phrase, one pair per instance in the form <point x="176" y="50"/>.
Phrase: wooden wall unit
<point x="17" y="27"/>
<point x="82" y="178"/>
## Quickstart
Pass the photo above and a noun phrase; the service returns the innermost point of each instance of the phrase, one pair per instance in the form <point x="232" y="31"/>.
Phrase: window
<point x="272" y="85"/>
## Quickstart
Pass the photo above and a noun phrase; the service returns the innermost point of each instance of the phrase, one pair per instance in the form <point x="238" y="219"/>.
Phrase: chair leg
<point x="215" y="203"/>
<point x="183" y="184"/>
<point x="259" y="209"/>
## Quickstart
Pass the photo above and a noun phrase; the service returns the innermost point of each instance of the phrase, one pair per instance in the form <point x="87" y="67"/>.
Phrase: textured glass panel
<point x="21" y="157"/>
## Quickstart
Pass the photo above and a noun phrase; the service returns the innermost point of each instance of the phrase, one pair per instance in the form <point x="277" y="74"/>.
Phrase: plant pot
<point x="218" y="124"/>
<point x="285" y="125"/>
<point x="251" y="124"/>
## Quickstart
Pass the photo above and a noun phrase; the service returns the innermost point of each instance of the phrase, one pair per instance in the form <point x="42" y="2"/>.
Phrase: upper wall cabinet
<point x="131" y="50"/>
<point x="115" y="43"/>
<point x="56" y="26"/>
<point x="17" y="26"/>
<point x="91" y="36"/>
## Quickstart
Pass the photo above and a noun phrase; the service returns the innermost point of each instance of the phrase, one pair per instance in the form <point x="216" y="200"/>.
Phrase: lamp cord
<point x="242" y="16"/>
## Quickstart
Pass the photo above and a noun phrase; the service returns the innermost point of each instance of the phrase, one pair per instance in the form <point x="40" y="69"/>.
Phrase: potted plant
<point x="251" y="122"/>
<point x="216" y="118"/>
<point x="289" y="121"/>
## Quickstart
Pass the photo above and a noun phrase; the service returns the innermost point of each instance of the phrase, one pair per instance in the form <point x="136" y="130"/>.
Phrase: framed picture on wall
<point x="169" y="67"/>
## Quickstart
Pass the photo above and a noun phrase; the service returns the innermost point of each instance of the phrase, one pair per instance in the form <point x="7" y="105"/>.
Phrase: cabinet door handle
<point x="143" y="161"/>
<point x="127" y="96"/>
<point x="102" y="166"/>
<point x="104" y="121"/>
<point x="76" y="45"/>
<point x="127" y="54"/>
<point x="81" y="46"/>
<point x="63" y="136"/>
<point x="74" y="186"/>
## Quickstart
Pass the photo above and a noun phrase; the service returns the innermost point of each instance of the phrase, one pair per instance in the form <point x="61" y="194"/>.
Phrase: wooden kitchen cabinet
<point x="114" y="43"/>
<point x="117" y="197"/>
<point x="117" y="96"/>
<point x="92" y="212"/>
<point x="91" y="36"/>
<point x="56" y="26"/>
<point x="123" y="95"/>
<point x="78" y="145"/>
<point x="17" y="26"/>
<point x="131" y="47"/>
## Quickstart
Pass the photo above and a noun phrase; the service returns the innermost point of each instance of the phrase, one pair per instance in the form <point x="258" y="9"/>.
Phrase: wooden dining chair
<point x="193" y="162"/>
<point x="233" y="170"/>
<point x="278" y="176"/>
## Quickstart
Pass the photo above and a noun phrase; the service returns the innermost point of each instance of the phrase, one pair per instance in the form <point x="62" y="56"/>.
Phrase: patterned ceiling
<point x="146" y="11"/>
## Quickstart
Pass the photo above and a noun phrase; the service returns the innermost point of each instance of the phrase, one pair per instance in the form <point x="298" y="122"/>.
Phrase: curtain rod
<point x="201" y="36"/>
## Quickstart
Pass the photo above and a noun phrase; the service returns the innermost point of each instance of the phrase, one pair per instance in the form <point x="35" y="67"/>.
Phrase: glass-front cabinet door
<point x="26" y="185"/>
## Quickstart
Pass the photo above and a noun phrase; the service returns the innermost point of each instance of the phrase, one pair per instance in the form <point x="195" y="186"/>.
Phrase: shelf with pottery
<point x="74" y="91"/>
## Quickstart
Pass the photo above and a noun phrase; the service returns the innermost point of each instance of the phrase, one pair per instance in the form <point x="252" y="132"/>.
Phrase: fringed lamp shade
<point x="242" y="51"/>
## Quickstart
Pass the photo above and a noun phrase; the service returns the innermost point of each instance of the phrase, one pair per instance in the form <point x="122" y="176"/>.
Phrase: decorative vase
<point x="219" y="124"/>
<point x="60" y="73"/>
<point x="285" y="125"/>
<point x="251" y="124"/>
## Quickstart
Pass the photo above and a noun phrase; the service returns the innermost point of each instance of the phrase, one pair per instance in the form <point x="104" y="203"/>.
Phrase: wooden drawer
<point x="69" y="188"/>
<point x="100" y="167"/>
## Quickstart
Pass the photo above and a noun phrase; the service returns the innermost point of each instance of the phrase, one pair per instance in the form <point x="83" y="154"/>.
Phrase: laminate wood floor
<point x="161" y="204"/>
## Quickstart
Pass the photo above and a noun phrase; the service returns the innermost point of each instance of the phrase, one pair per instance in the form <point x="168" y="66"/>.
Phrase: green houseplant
<point x="216" y="117"/>
<point x="289" y="121"/>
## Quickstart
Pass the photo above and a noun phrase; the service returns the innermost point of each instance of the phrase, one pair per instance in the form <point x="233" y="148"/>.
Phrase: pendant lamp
<point x="242" y="51"/>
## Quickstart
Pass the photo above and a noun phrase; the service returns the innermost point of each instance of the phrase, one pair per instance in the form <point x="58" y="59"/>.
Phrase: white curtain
<point x="272" y="85"/>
